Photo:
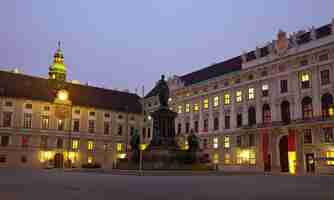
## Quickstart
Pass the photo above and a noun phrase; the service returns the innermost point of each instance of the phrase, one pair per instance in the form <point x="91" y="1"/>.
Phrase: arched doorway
<point x="59" y="159"/>
<point x="283" y="152"/>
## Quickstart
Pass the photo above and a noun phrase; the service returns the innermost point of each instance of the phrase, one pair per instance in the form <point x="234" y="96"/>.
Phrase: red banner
<point x="265" y="142"/>
<point x="291" y="140"/>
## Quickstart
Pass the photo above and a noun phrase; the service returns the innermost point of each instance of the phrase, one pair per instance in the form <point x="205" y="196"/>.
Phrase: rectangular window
<point x="325" y="77"/>
<point x="179" y="109"/>
<point x="132" y="130"/>
<point x="75" y="144"/>
<point x="179" y="127"/>
<point x="120" y="130"/>
<point x="328" y="134"/>
<point x="44" y="141"/>
<point x="265" y="90"/>
<point x="323" y="57"/>
<point x="148" y="132"/>
<point x="239" y="120"/>
<point x="119" y="147"/>
<point x="239" y="141"/>
<point x="246" y="156"/>
<point x="59" y="143"/>
<point x="305" y="80"/>
<point x="251" y="93"/>
<point x="28" y="106"/>
<point x="61" y="124"/>
<point x="46" y="108"/>
<point x="27" y="120"/>
<point x="238" y="95"/>
<point x="91" y="126"/>
<point x="303" y="62"/>
<point x="4" y="140"/>
<point x="227" y="158"/>
<point x="76" y="125"/>
<point x="90" y="145"/>
<point x="330" y="157"/>
<point x="92" y="114"/>
<point x="215" y="143"/>
<point x="144" y="132"/>
<point x="3" y="158"/>
<point x="106" y="128"/>
<point x="45" y="121"/>
<point x="227" y="142"/>
<point x="284" y="86"/>
<point x="227" y="122"/>
<point x="7" y="119"/>
<point x="308" y="136"/>
<point x="205" y="143"/>
<point x="251" y="140"/>
<point x="226" y="99"/>
<point x="205" y="125"/>
<point x="196" y="126"/>
<point x="8" y="104"/>
<point x="216" y="123"/>
<point x="187" y="107"/>
<point x="187" y="127"/>
<point x="25" y="141"/>
<point x="196" y="107"/>
<point x="206" y="104"/>
<point x="216" y="101"/>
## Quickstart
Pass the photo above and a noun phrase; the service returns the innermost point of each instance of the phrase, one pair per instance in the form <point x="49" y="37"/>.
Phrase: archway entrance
<point x="59" y="159"/>
<point x="283" y="150"/>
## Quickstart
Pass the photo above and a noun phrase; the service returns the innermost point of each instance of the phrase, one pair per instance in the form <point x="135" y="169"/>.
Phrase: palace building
<point x="52" y="122"/>
<point x="270" y="109"/>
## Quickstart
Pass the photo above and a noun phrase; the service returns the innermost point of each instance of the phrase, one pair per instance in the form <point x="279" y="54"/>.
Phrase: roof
<point x="213" y="71"/>
<point x="153" y="92"/>
<point x="36" y="88"/>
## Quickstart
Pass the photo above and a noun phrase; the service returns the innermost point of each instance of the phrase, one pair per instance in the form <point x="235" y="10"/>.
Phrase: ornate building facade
<point x="50" y="122"/>
<point x="270" y="109"/>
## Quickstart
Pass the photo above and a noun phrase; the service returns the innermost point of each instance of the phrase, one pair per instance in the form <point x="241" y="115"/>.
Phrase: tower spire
<point x="57" y="69"/>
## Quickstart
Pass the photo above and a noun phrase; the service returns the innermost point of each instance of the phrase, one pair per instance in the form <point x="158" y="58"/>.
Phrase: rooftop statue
<point x="163" y="92"/>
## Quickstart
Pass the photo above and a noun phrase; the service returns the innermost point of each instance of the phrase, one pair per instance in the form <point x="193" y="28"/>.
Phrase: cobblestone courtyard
<point x="35" y="185"/>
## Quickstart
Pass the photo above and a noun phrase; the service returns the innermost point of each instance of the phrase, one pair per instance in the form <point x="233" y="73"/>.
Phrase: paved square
<point x="51" y="185"/>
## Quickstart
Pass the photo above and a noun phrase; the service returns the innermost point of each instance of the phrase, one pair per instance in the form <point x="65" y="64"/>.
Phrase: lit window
<point x="226" y="99"/>
<point x="187" y="107"/>
<point x="251" y="93"/>
<point x="90" y="145"/>
<point x="331" y="112"/>
<point x="119" y="147"/>
<point x="246" y="157"/>
<point x="265" y="90"/>
<point x="45" y="121"/>
<point x="238" y="96"/>
<point x="226" y="142"/>
<point x="227" y="158"/>
<point x="216" y="101"/>
<point x="196" y="107"/>
<point x="305" y="79"/>
<point x="330" y="157"/>
<point x="179" y="109"/>
<point x="90" y="160"/>
<point x="206" y="104"/>
<point x="75" y="144"/>
<point x="215" y="158"/>
<point x="215" y="143"/>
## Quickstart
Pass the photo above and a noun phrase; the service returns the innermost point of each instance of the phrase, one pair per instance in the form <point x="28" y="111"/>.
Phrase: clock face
<point x="62" y="95"/>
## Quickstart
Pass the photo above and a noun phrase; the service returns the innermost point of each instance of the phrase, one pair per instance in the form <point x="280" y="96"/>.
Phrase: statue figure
<point x="164" y="92"/>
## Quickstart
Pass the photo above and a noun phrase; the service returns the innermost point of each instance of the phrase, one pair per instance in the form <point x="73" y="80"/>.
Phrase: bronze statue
<point x="163" y="92"/>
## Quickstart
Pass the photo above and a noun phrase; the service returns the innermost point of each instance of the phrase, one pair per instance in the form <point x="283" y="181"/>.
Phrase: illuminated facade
<point x="270" y="109"/>
<point x="47" y="122"/>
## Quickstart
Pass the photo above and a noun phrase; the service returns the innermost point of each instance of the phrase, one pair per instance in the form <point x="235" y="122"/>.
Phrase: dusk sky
<point x="124" y="44"/>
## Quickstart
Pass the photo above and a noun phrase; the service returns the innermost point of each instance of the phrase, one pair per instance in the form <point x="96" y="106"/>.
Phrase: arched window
<point x="251" y="116"/>
<point x="307" y="108"/>
<point x="327" y="105"/>
<point x="285" y="111"/>
<point x="266" y="113"/>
